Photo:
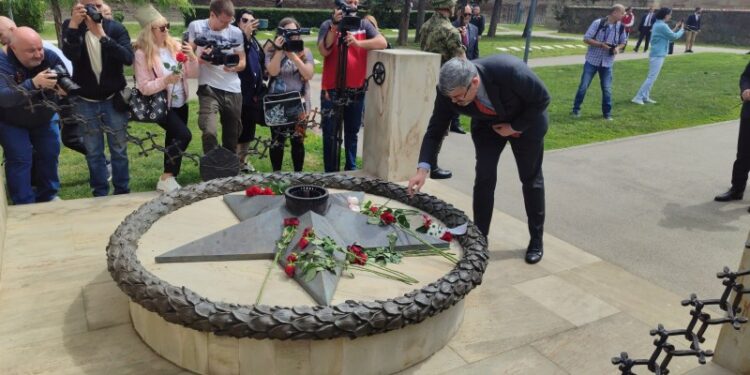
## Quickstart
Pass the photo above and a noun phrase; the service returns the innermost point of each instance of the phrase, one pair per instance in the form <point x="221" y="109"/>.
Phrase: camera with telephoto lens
<point x="94" y="13"/>
<point x="350" y="22"/>
<point x="217" y="56"/>
<point x="293" y="45"/>
<point x="63" y="79"/>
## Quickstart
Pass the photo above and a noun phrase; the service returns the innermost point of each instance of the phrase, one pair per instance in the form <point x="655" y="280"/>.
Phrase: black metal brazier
<point x="303" y="198"/>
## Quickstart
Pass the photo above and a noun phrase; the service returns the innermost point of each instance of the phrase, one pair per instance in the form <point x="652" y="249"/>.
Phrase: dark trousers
<point x="528" y="153"/>
<point x="213" y="103"/>
<point x="276" y="152"/>
<point x="177" y="138"/>
<point x="742" y="164"/>
<point x="352" y="115"/>
<point x="70" y="133"/>
<point x="249" y="118"/>
<point x="641" y="35"/>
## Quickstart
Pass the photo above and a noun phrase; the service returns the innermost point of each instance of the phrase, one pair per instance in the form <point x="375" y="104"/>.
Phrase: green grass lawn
<point x="691" y="90"/>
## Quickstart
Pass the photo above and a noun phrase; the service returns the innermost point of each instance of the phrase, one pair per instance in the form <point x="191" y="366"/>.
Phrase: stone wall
<point x="718" y="27"/>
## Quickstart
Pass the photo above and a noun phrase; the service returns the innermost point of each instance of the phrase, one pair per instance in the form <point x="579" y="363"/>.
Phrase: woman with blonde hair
<point x="160" y="64"/>
<point x="289" y="72"/>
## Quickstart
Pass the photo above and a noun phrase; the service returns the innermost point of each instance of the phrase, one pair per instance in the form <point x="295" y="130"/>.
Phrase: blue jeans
<point x="654" y="67"/>
<point x="605" y="78"/>
<point x="101" y="118"/>
<point x="23" y="148"/>
<point x="352" y="123"/>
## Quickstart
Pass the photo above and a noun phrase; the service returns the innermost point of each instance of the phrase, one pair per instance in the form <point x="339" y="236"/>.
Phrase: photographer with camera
<point x="99" y="48"/>
<point x="358" y="36"/>
<point x="661" y="36"/>
<point x="291" y="67"/>
<point x="252" y="84"/>
<point x="29" y="134"/>
<point x="163" y="64"/>
<point x="222" y="55"/>
<point x="606" y="37"/>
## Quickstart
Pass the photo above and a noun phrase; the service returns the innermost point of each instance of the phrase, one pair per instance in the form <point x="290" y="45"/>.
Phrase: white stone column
<point x="396" y="113"/>
<point x="733" y="348"/>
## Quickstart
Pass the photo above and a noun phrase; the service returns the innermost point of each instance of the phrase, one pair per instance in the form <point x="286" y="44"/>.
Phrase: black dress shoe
<point x="458" y="130"/>
<point x="730" y="195"/>
<point x="534" y="252"/>
<point x="440" y="174"/>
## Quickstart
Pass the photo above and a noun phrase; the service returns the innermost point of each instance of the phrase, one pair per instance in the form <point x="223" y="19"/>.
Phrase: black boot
<point x="732" y="194"/>
<point x="535" y="251"/>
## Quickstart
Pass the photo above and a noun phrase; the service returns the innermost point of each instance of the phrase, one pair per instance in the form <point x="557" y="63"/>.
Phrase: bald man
<point x="29" y="135"/>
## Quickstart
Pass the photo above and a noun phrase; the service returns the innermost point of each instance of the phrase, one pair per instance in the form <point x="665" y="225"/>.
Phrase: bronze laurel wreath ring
<point x="351" y="319"/>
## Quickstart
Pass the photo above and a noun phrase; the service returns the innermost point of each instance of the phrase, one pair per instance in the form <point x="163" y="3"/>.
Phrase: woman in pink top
<point x="628" y="20"/>
<point x="155" y="50"/>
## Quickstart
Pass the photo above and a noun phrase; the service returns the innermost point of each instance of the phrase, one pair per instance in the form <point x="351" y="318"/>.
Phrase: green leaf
<point x="374" y="220"/>
<point x="166" y="65"/>
<point x="403" y="221"/>
<point x="310" y="275"/>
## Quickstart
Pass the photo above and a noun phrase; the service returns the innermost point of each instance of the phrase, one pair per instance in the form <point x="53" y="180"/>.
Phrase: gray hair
<point x="457" y="72"/>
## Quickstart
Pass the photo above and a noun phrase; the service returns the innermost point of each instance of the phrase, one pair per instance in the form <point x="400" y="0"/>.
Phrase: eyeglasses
<point x="467" y="14"/>
<point x="245" y="20"/>
<point x="162" y="28"/>
<point x="467" y="91"/>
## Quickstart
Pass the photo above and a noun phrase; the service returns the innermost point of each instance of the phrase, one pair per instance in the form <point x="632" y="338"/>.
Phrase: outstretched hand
<point x="417" y="181"/>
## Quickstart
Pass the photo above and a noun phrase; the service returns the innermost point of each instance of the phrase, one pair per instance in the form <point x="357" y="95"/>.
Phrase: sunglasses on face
<point x="162" y="28"/>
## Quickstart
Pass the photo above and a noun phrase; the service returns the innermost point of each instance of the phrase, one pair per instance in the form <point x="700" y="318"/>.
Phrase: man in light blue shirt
<point x="606" y="37"/>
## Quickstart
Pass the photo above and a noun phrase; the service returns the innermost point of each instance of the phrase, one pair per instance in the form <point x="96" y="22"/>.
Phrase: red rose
<point x="181" y="57"/>
<point x="268" y="191"/>
<point x="291" y="258"/>
<point x="447" y="237"/>
<point x="355" y="248"/>
<point x="387" y="218"/>
<point x="374" y="209"/>
<point x="306" y="232"/>
<point x="360" y="259"/>
<point x="427" y="221"/>
<point x="291" y="222"/>
<point x="303" y="242"/>
<point x="289" y="270"/>
<point x="253" y="191"/>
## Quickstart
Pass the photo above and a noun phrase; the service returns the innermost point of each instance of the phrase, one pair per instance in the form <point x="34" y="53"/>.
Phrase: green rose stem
<point x="434" y="249"/>
<point x="281" y="245"/>
<point x="386" y="273"/>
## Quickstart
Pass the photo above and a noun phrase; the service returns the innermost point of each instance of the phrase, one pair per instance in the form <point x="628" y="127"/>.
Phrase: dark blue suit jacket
<point x="693" y="23"/>
<point x="472" y="49"/>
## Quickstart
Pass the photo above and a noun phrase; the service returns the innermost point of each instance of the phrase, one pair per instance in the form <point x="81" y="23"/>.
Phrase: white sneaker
<point x="168" y="185"/>
<point x="649" y="100"/>
<point x="637" y="101"/>
<point x="56" y="199"/>
<point x="109" y="170"/>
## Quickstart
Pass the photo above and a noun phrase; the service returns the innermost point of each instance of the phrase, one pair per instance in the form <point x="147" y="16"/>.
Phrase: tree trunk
<point x="422" y="6"/>
<point x="495" y="17"/>
<point x="57" y="14"/>
<point x="529" y="21"/>
<point x="403" y="30"/>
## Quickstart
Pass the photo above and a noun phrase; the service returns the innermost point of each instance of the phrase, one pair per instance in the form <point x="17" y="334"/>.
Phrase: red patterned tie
<point x="483" y="108"/>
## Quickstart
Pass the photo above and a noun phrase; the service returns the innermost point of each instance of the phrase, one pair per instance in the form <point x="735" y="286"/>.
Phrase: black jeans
<point x="528" y="153"/>
<point x="742" y="164"/>
<point x="645" y="34"/>
<point x="249" y="118"/>
<point x="297" y="141"/>
<point x="177" y="139"/>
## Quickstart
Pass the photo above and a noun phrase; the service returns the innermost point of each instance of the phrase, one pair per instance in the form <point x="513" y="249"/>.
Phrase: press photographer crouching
<point x="29" y="133"/>
<point x="358" y="38"/>
<point x="291" y="67"/>
<point x="99" y="48"/>
<point x="221" y="49"/>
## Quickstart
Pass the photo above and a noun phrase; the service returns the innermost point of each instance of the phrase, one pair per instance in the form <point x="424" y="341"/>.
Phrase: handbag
<point x="283" y="109"/>
<point x="148" y="108"/>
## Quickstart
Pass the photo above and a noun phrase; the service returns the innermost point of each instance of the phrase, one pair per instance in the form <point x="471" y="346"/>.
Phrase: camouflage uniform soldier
<point x="438" y="35"/>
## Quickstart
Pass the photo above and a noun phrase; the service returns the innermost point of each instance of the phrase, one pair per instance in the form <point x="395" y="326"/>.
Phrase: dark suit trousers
<point x="641" y="35"/>
<point x="742" y="164"/>
<point x="528" y="153"/>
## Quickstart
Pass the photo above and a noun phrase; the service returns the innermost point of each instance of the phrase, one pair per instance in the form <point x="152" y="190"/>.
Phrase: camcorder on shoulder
<point x="216" y="56"/>
<point x="350" y="22"/>
<point x="94" y="13"/>
<point x="291" y="45"/>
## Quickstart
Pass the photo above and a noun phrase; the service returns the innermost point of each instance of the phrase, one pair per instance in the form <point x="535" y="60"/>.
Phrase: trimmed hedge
<point x="26" y="12"/>
<point x="306" y="17"/>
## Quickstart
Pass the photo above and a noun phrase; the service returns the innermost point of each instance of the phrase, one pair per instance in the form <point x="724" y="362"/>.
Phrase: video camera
<point x="293" y="45"/>
<point x="217" y="56"/>
<point x="63" y="79"/>
<point x="350" y="22"/>
<point x="94" y="13"/>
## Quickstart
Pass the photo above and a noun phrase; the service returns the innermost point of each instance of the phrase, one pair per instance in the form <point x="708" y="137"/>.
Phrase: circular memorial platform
<point x="203" y="316"/>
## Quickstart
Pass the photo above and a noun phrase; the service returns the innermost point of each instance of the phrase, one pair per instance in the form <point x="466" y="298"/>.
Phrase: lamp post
<point x="530" y="25"/>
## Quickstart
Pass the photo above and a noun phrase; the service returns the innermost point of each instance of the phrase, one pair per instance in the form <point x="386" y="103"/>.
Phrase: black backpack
<point x="603" y="25"/>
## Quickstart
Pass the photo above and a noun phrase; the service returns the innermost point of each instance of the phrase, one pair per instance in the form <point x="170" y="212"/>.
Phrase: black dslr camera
<point x="63" y="79"/>
<point x="293" y="45"/>
<point x="612" y="48"/>
<point x="350" y="22"/>
<point x="216" y="56"/>
<point x="94" y="13"/>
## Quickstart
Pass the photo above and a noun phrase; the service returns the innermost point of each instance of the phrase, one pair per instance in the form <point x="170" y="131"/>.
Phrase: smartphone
<point x="262" y="24"/>
<point x="186" y="37"/>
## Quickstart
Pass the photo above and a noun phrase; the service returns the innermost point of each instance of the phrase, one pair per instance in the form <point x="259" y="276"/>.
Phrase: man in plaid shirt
<point x="606" y="37"/>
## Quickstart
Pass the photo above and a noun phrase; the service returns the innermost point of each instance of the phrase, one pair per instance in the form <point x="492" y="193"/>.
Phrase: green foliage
<point x="306" y="17"/>
<point x="118" y="16"/>
<point x="26" y="12"/>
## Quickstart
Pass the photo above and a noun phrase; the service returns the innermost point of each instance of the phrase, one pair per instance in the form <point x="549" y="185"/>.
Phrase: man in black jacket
<point x="29" y="133"/>
<point x="477" y="19"/>
<point x="507" y="102"/>
<point x="644" y="29"/>
<point x="98" y="48"/>
<point x="692" y="28"/>
<point x="742" y="163"/>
